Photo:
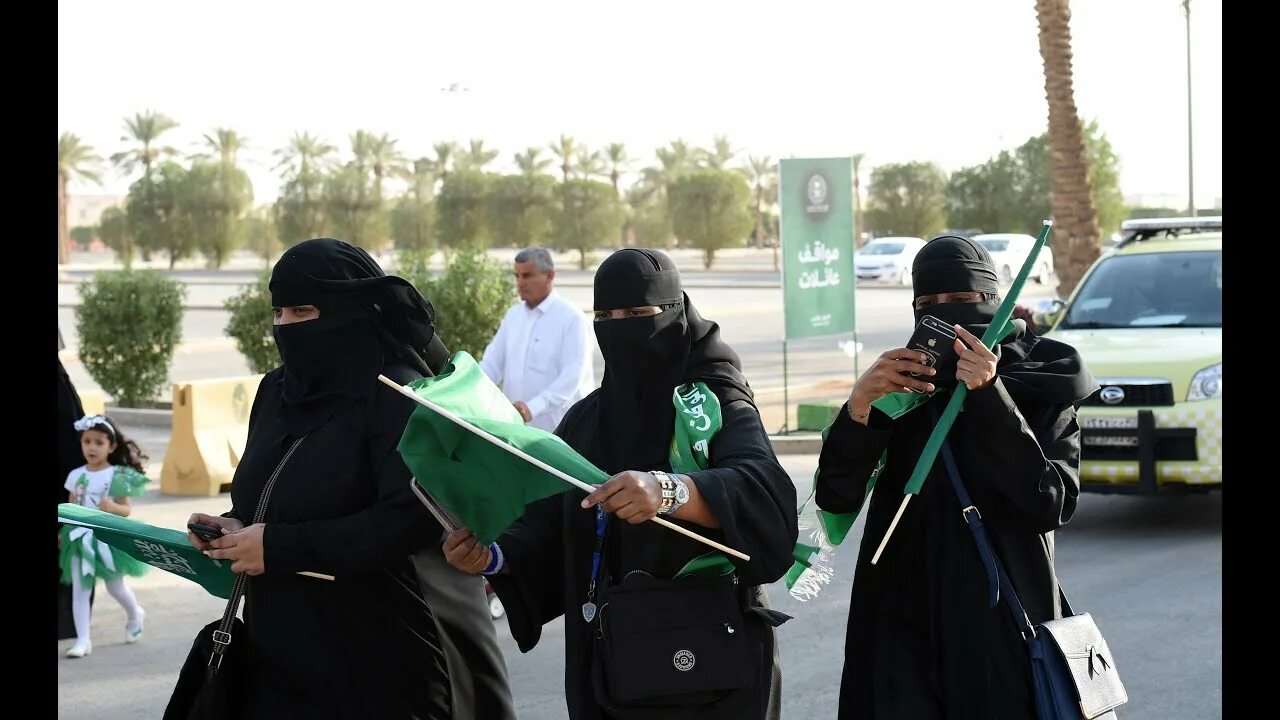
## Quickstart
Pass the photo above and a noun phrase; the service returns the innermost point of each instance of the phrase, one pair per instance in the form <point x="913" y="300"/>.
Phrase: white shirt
<point x="97" y="484"/>
<point x="542" y="357"/>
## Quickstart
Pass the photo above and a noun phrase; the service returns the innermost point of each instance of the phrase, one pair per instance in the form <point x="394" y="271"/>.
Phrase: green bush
<point x="250" y="325"/>
<point x="129" y="323"/>
<point x="470" y="298"/>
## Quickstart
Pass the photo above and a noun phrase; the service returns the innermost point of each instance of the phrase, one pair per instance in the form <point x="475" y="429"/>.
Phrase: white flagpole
<point x="538" y="463"/>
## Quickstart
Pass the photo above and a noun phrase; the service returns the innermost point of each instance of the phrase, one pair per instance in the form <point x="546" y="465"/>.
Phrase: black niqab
<point x="367" y="320"/>
<point x="646" y="358"/>
<point x="950" y="264"/>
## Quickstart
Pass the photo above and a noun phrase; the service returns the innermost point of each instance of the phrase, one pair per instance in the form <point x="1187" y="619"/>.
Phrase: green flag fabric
<point x="485" y="487"/>
<point x="159" y="547"/>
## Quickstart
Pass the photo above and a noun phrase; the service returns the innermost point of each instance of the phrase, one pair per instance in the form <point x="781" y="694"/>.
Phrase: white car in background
<point x="887" y="260"/>
<point x="1008" y="252"/>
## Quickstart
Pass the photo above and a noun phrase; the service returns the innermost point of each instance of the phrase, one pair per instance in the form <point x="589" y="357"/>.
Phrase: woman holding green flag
<point x="655" y="627"/>
<point x="926" y="638"/>
<point x="395" y="633"/>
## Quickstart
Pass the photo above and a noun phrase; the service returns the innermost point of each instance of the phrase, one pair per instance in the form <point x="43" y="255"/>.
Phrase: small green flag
<point x="159" y="547"/>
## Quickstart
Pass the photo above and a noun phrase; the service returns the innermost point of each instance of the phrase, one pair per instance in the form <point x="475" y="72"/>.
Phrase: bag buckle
<point x="965" y="513"/>
<point x="222" y="637"/>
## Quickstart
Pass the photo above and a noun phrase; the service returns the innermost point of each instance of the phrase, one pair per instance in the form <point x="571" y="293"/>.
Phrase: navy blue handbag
<point x="1073" y="672"/>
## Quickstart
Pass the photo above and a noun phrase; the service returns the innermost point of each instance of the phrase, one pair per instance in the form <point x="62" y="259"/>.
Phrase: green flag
<point x="160" y="547"/>
<point x="485" y="487"/>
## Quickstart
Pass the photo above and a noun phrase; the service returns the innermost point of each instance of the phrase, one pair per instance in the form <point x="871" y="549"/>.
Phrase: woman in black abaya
<point x="653" y="341"/>
<point x="923" y="640"/>
<point x="397" y="633"/>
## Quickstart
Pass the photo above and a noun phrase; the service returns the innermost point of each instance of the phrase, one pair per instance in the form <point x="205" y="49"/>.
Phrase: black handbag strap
<point x="998" y="580"/>
<point x="222" y="636"/>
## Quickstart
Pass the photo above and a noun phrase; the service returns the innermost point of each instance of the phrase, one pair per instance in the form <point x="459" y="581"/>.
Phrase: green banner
<point x="816" y="196"/>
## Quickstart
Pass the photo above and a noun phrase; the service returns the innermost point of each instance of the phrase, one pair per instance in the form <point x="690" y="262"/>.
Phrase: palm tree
<point x="674" y="161"/>
<point x="589" y="162"/>
<point x="719" y="157"/>
<point x="530" y="164"/>
<point x="1076" y="244"/>
<point x="445" y="151"/>
<point x="304" y="153"/>
<point x="423" y="179"/>
<point x="77" y="160"/>
<point x="617" y="154"/>
<point x="144" y="128"/>
<point x="566" y="152"/>
<point x="302" y="163"/>
<point x="362" y="148"/>
<point x="476" y="157"/>
<point x="223" y="143"/>
<point x="386" y="161"/>
<point x="759" y="172"/>
<point x="857" y="196"/>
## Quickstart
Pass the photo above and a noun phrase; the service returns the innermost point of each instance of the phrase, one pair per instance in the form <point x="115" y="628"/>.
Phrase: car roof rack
<point x="1132" y="231"/>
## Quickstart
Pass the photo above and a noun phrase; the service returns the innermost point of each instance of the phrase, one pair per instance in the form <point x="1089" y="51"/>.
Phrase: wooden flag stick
<point x="538" y="463"/>
<point x="901" y="509"/>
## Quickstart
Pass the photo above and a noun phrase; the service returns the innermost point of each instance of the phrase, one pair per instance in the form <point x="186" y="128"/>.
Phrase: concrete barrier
<point x="210" y="426"/>
<point x="94" y="402"/>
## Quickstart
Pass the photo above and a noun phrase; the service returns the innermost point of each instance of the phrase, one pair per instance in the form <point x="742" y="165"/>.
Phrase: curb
<point x="144" y="417"/>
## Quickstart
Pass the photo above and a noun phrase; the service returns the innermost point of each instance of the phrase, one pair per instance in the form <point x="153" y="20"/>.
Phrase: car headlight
<point x="1206" y="384"/>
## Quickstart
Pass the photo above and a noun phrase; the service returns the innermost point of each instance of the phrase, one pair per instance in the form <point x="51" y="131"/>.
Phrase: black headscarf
<point x="949" y="264"/>
<point x="646" y="358"/>
<point x="367" y="320"/>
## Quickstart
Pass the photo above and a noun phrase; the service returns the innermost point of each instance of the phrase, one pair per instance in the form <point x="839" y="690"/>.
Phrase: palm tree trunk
<point x="1076" y="244"/>
<point x="759" y="214"/>
<point x="64" y="234"/>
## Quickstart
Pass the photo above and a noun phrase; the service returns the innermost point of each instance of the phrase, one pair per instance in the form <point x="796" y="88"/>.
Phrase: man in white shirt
<point x="542" y="354"/>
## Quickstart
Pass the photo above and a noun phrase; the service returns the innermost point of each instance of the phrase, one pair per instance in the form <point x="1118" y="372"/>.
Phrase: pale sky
<point x="900" y="80"/>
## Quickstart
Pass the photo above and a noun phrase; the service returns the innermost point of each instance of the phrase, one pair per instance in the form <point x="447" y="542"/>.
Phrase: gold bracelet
<point x="858" y="416"/>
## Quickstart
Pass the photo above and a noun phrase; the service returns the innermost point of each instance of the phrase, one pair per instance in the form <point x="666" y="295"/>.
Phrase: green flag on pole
<point x="159" y="547"/>
<point x="484" y="487"/>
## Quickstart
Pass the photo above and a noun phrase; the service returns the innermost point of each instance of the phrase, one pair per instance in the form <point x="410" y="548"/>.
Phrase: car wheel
<point x="495" y="607"/>
<point x="1043" y="276"/>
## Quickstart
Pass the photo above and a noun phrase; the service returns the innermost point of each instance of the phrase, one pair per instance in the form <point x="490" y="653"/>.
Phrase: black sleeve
<point x="532" y="586"/>
<point x="392" y="527"/>
<point x="1037" y="464"/>
<point x="750" y="494"/>
<point x="850" y="452"/>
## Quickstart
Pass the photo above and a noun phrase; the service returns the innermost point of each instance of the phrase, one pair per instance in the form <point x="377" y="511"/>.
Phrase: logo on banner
<point x="817" y="194"/>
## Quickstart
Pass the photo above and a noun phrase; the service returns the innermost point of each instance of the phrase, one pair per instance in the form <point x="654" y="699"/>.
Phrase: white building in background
<point x="88" y="209"/>
<point x="1156" y="200"/>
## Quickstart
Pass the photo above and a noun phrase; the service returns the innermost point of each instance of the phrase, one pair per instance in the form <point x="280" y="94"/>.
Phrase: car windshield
<point x="994" y="245"/>
<point x="1173" y="289"/>
<point x="882" y="249"/>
